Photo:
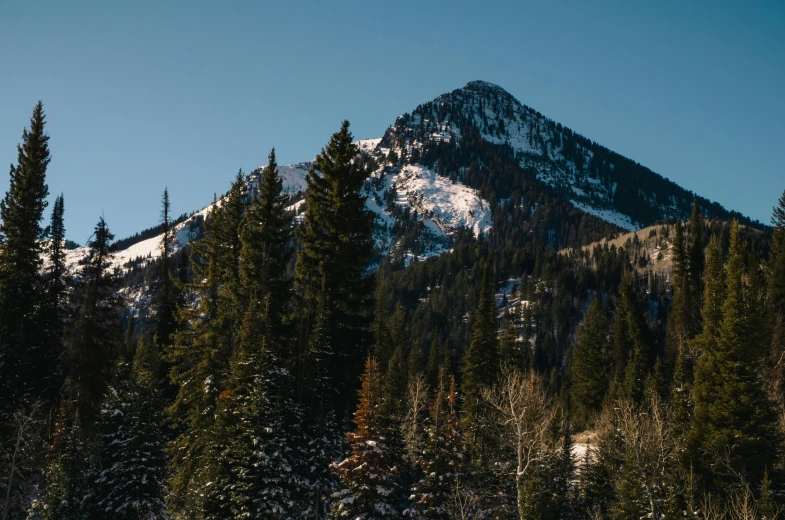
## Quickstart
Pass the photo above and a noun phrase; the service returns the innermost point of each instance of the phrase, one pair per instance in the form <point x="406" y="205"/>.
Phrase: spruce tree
<point x="199" y="359"/>
<point x="272" y="476"/>
<point x="264" y="257"/>
<point x="165" y="291"/>
<point x="68" y="473"/>
<point x="131" y="482"/>
<point x="369" y="475"/>
<point x="336" y="243"/>
<point x="590" y="370"/>
<point x="633" y="345"/>
<point x="481" y="367"/>
<point x="26" y="359"/>
<point x="92" y="338"/>
<point x="734" y="425"/>
<point x="697" y="264"/>
<point x="435" y="360"/>
<point x="678" y="332"/>
<point x="56" y="284"/>
<point x="394" y="384"/>
<point x="776" y="296"/>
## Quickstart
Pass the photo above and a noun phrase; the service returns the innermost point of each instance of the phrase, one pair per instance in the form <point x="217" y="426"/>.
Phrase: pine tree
<point x="369" y="475"/>
<point x="679" y="317"/>
<point x="336" y="243"/>
<point x="435" y="360"/>
<point x="442" y="459"/>
<point x="590" y="375"/>
<point x="697" y="264"/>
<point x="199" y="358"/>
<point x="481" y="367"/>
<point x="165" y="291"/>
<point x="131" y="483"/>
<point x="55" y="280"/>
<point x="632" y="338"/>
<point x="271" y="476"/>
<point x="264" y="257"/>
<point x="68" y="474"/>
<point x="734" y="425"/>
<point x="92" y="338"/>
<point x="394" y="384"/>
<point x="26" y="360"/>
<point x="776" y="296"/>
<point x="713" y="296"/>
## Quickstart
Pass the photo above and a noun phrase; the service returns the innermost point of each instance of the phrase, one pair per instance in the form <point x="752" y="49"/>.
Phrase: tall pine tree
<point x="165" y="291"/>
<point x="734" y="427"/>
<point x="92" y="338"/>
<point x="590" y="370"/>
<point x="26" y="362"/>
<point x="776" y="296"/>
<point x="481" y="368"/>
<point x="199" y="360"/>
<point x="336" y="243"/>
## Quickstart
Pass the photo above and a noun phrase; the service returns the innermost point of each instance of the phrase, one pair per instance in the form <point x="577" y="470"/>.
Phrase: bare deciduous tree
<point x="417" y="402"/>
<point x="650" y="448"/>
<point x="17" y="459"/>
<point x="523" y="414"/>
<point x="464" y="504"/>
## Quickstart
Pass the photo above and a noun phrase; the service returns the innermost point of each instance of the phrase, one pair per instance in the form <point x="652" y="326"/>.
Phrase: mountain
<point x="478" y="159"/>
<point x="592" y="177"/>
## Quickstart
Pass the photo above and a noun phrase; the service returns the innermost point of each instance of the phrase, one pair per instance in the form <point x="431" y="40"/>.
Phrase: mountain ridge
<point x="408" y="190"/>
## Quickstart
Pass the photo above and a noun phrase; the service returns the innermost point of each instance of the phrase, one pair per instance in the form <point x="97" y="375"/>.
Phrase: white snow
<point x="609" y="215"/>
<point x="447" y="205"/>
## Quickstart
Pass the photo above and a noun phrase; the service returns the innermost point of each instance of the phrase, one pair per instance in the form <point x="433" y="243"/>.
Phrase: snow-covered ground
<point x="448" y="205"/>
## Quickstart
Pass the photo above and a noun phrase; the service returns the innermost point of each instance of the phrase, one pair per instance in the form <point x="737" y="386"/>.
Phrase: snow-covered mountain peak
<point x="487" y="88"/>
<point x="591" y="177"/>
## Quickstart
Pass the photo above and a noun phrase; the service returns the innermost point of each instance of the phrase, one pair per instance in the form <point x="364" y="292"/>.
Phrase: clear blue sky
<point x="141" y="95"/>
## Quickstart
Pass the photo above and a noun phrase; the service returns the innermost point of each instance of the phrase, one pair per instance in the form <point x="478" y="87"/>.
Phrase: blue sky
<point x="141" y="95"/>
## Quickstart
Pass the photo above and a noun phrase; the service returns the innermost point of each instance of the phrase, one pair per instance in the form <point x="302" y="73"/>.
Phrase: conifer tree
<point x="435" y="360"/>
<point x="26" y="361"/>
<point x="68" y="474"/>
<point x="776" y="295"/>
<point x="131" y="482"/>
<point x="697" y="261"/>
<point x="55" y="286"/>
<point x="679" y="318"/>
<point x="264" y="256"/>
<point x="92" y="338"/>
<point x="442" y="458"/>
<point x="271" y="475"/>
<point x="369" y="475"/>
<point x="590" y="371"/>
<point x="713" y="296"/>
<point x="165" y="291"/>
<point x="734" y="425"/>
<point x="199" y="360"/>
<point x="382" y="341"/>
<point x="336" y="243"/>
<point x="394" y="384"/>
<point x="632" y="338"/>
<point x="481" y="367"/>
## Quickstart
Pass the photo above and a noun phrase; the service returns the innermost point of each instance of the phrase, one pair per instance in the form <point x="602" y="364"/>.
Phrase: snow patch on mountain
<point x="448" y="205"/>
<point x="609" y="215"/>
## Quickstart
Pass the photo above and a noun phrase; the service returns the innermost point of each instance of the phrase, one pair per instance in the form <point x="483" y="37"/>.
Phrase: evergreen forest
<point x="286" y="368"/>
